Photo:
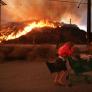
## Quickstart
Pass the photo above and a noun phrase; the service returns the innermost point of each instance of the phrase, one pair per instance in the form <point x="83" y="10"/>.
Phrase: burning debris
<point x="41" y="32"/>
<point x="15" y="30"/>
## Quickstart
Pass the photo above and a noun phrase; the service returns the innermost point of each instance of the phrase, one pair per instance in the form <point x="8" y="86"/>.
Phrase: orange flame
<point x="27" y="29"/>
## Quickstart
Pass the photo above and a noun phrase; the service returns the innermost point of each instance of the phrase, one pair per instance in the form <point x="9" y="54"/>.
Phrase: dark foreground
<point x="22" y="76"/>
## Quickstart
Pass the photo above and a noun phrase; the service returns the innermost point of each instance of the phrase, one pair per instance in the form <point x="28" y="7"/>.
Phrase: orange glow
<point x="26" y="29"/>
<point x="66" y="19"/>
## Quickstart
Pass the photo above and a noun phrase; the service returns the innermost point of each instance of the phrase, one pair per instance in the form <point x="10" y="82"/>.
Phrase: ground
<point x="25" y="76"/>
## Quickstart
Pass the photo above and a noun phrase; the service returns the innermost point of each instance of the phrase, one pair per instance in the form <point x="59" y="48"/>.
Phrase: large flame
<point x="27" y="29"/>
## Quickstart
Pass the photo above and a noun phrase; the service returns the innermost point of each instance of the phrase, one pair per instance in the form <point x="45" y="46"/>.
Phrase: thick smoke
<point x="22" y="10"/>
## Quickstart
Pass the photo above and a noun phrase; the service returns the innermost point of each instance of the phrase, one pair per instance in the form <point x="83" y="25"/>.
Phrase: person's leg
<point x="57" y="77"/>
<point x="65" y="80"/>
<point x="62" y="78"/>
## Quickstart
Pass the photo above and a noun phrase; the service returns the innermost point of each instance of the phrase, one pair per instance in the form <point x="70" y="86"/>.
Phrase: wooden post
<point x="70" y="21"/>
<point x="89" y="21"/>
<point x="0" y="17"/>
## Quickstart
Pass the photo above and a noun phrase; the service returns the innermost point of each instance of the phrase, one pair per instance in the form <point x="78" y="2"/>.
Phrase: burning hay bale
<point x="41" y="32"/>
<point x="16" y="30"/>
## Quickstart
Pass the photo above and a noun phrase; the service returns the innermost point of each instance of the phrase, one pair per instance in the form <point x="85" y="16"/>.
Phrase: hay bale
<point x="2" y="56"/>
<point x="45" y="51"/>
<point x="18" y="53"/>
<point x="6" y="50"/>
<point x="31" y="56"/>
<point x="42" y="51"/>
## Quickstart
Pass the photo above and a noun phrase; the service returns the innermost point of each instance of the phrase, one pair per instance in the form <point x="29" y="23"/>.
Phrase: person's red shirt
<point x="65" y="50"/>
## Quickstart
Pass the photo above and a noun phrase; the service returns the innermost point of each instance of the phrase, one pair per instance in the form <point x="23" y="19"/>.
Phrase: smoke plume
<point x="22" y="10"/>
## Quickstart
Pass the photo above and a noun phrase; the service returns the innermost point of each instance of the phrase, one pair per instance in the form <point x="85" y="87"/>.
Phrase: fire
<point x="27" y="29"/>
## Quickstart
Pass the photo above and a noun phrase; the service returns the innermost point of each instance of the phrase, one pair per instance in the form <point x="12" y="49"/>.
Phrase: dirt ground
<point x="26" y="76"/>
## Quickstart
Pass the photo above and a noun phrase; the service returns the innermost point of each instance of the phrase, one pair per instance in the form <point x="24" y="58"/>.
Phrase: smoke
<point x="22" y="10"/>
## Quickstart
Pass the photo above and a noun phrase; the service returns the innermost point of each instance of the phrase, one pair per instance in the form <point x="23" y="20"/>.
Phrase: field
<point x="23" y="69"/>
